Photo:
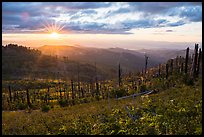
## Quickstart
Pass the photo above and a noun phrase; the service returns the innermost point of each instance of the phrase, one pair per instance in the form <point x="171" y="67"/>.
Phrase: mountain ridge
<point x="130" y="60"/>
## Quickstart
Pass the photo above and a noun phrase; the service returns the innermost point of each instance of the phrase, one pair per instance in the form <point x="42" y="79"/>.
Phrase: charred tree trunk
<point x="64" y="92"/>
<point x="72" y="87"/>
<point x="96" y="80"/>
<point x="82" y="92"/>
<point x="167" y="69"/>
<point x="92" y="89"/>
<point x="199" y="59"/>
<point x="159" y="69"/>
<point x="180" y="62"/>
<point x="28" y="98"/>
<point x="97" y="88"/>
<point x="195" y="60"/>
<point x="10" y="96"/>
<point x="119" y="76"/>
<point x="78" y="81"/>
<point x="146" y="61"/>
<point x="15" y="96"/>
<point x="22" y="98"/>
<point x="34" y="96"/>
<point x="177" y="64"/>
<point x="171" y="66"/>
<point x="182" y="67"/>
<point x="186" y="62"/>
<point x="48" y="95"/>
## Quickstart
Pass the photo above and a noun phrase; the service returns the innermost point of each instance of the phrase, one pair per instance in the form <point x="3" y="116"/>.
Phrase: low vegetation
<point x="57" y="107"/>
<point x="177" y="110"/>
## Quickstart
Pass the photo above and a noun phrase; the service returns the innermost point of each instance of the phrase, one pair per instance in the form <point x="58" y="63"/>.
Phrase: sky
<point x="130" y="25"/>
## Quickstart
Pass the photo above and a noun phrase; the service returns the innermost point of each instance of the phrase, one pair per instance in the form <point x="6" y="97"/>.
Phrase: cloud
<point x="160" y="7"/>
<point x="191" y="11"/>
<point x="118" y="11"/>
<point x="93" y="27"/>
<point x="174" y="24"/>
<point x="82" y="13"/>
<point x="85" y="5"/>
<point x="86" y="17"/>
<point x="152" y="7"/>
<point x="145" y="23"/>
<point x="193" y="14"/>
<point x="169" y="30"/>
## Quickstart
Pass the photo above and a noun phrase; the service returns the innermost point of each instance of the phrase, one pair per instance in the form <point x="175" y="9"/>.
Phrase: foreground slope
<point x="173" y="111"/>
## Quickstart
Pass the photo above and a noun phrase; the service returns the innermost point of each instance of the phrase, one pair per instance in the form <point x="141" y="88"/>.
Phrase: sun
<point x="54" y="29"/>
<point x="54" y="35"/>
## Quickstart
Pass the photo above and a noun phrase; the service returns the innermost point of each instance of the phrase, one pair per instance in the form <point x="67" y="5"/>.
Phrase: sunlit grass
<point x="177" y="100"/>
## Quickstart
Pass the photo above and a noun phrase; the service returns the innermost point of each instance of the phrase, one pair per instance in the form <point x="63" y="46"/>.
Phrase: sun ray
<point x="53" y="28"/>
<point x="49" y="27"/>
<point x="61" y="27"/>
<point x="46" y="28"/>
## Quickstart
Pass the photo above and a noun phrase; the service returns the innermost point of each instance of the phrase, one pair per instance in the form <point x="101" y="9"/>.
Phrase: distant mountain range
<point x="165" y="54"/>
<point x="68" y="61"/>
<point x="130" y="60"/>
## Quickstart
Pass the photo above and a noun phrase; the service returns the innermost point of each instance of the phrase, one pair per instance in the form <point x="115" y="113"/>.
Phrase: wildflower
<point x="94" y="125"/>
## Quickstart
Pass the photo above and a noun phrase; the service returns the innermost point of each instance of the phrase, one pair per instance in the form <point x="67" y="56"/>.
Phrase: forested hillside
<point x="20" y="62"/>
<point x="105" y="58"/>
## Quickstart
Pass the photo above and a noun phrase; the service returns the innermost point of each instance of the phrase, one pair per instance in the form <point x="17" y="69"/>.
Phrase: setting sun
<point x="54" y="35"/>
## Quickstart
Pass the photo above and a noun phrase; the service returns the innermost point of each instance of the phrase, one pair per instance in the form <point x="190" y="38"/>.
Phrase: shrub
<point x="119" y="92"/>
<point x="98" y="97"/>
<point x="188" y="80"/>
<point x="130" y="92"/>
<point x="45" y="108"/>
<point x="21" y="106"/>
<point x="143" y="88"/>
<point x="85" y="100"/>
<point x="63" y="102"/>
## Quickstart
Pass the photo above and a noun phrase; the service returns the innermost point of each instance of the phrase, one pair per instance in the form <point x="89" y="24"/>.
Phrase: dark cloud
<point x="82" y="13"/>
<point x="192" y="13"/>
<point x="93" y="27"/>
<point x="174" y="24"/>
<point x="153" y="7"/>
<point x="86" y="5"/>
<point x="10" y="20"/>
<point x="125" y="26"/>
<point x="89" y="12"/>
<point x="118" y="11"/>
<point x="159" y="7"/>
<point x="27" y="16"/>
<point x="145" y="23"/>
<point x="169" y="30"/>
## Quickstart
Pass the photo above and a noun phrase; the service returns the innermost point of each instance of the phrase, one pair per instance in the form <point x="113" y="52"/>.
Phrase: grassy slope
<point x="178" y="110"/>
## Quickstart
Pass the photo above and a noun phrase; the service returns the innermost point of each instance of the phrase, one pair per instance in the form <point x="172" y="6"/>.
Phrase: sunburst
<point x="54" y="29"/>
<point x="54" y="35"/>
